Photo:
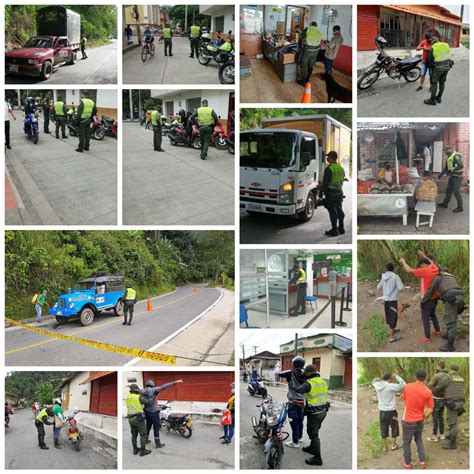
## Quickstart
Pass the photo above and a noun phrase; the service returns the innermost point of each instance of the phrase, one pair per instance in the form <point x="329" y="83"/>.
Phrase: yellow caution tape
<point x="105" y="346"/>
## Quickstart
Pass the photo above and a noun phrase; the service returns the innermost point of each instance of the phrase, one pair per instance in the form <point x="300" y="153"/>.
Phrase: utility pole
<point x="296" y="344"/>
<point x="131" y="104"/>
<point x="185" y="18"/>
<point x="255" y="350"/>
<point x="462" y="14"/>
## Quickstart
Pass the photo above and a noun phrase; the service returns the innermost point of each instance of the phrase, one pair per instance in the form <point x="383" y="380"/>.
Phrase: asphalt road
<point x="174" y="187"/>
<point x="22" y="452"/>
<point x="202" y="451"/>
<point x="99" y="68"/>
<point x="58" y="186"/>
<point x="170" y="313"/>
<point x="386" y="99"/>
<point x="161" y="69"/>
<point x="335" y="435"/>
<point x="269" y="229"/>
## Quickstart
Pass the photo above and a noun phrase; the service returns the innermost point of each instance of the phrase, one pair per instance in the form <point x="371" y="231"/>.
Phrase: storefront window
<point x="251" y="19"/>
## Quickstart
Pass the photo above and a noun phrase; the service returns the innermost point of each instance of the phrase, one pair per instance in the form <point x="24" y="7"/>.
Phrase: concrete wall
<point x="227" y="11"/>
<point x="79" y="395"/>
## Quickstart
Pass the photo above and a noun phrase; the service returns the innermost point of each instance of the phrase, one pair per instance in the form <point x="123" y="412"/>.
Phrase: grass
<point x="374" y="332"/>
<point x="372" y="441"/>
<point x="465" y="42"/>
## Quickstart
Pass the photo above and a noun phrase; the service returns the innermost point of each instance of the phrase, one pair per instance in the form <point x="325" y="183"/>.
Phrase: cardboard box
<point x="287" y="58"/>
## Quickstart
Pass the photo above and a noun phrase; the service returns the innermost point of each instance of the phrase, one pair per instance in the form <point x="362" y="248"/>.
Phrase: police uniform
<point x="310" y="44"/>
<point x="156" y="122"/>
<point x="454" y="397"/>
<point x="46" y="113"/>
<point x="85" y="112"/>
<point x="168" y="39"/>
<point x="194" y="34"/>
<point x="41" y="420"/>
<point x="60" y="117"/>
<point x="332" y="188"/>
<point x="206" y="121"/>
<point x="301" y="296"/>
<point x="83" y="47"/>
<point x="136" y="420"/>
<point x="129" y="305"/>
<point x="454" y="168"/>
<point x="439" y="59"/>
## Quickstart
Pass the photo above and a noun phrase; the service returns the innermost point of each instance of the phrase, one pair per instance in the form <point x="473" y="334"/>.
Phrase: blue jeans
<point x="229" y="430"/>
<point x="328" y="65"/>
<point x="296" y="416"/>
<point x="38" y="313"/>
<point x="425" y="70"/>
<point x="56" y="433"/>
<point x="153" y="419"/>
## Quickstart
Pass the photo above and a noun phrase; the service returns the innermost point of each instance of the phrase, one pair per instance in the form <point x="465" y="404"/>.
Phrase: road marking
<point x="80" y="331"/>
<point x="124" y="350"/>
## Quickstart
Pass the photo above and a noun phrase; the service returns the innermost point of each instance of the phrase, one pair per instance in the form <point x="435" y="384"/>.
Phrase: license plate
<point x="73" y="435"/>
<point x="189" y="423"/>
<point x="59" y="313"/>
<point x="254" y="207"/>
<point x="13" y="68"/>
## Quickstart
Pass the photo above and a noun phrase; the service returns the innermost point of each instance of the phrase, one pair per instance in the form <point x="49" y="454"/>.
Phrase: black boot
<point x="308" y="449"/>
<point x="450" y="445"/>
<point x="158" y="443"/>
<point x="315" y="460"/>
<point x="449" y="347"/>
<point x="136" y="449"/>
<point x="341" y="230"/>
<point x="442" y="204"/>
<point x="56" y="444"/>
<point x="124" y="323"/>
<point x="332" y="233"/>
<point x="438" y="99"/>
<point x="429" y="102"/>
<point x="458" y="209"/>
<point x="44" y="447"/>
<point x="144" y="452"/>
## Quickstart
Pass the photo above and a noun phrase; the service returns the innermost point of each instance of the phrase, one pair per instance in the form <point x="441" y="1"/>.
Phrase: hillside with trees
<point x="39" y="387"/>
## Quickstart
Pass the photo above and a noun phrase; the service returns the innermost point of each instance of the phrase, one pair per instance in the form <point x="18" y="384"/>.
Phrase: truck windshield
<point x="84" y="285"/>
<point x="268" y="149"/>
<point x="39" y="43"/>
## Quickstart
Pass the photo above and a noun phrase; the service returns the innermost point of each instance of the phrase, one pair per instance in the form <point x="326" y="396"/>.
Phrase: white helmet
<point x="58" y="401"/>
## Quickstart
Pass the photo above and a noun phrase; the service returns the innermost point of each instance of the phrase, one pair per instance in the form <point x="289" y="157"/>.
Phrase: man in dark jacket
<point x="437" y="385"/>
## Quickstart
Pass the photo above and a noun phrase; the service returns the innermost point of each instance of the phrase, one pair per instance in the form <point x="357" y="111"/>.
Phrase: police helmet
<point x="150" y="383"/>
<point x="298" y="362"/>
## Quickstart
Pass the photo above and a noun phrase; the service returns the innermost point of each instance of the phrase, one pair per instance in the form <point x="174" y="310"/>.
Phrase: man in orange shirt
<point x="425" y="46"/>
<point x="419" y="406"/>
<point x="427" y="270"/>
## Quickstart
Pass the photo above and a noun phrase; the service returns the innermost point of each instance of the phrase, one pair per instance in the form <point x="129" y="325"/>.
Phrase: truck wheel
<point x="86" y="317"/>
<point x="46" y="70"/>
<point x="118" y="310"/>
<point x="74" y="59"/>
<point x="307" y="213"/>
<point x="61" y="319"/>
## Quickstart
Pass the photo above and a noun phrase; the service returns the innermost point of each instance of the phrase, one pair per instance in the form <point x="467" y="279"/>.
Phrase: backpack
<point x="35" y="298"/>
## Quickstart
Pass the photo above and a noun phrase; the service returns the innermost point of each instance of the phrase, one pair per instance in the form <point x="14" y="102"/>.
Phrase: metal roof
<point x="436" y="12"/>
<point x="306" y="117"/>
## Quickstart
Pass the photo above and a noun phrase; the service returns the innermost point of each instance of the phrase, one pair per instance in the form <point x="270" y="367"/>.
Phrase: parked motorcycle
<point x="97" y="129"/>
<point x="230" y="148"/>
<point x="245" y="375"/>
<point x="217" y="50"/>
<point x="167" y="126"/>
<point x="178" y="422"/>
<point x="219" y="137"/>
<point x="227" y="70"/>
<point x="74" y="436"/>
<point x="257" y="389"/>
<point x="395" y="68"/>
<point x="110" y="126"/>
<point x="31" y="127"/>
<point x="178" y="135"/>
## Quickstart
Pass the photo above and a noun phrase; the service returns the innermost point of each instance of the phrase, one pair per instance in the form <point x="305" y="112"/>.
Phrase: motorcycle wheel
<point x="173" y="141"/>
<point x="164" y="132"/>
<point x="185" y="432"/>
<point x="227" y="73"/>
<point x="221" y="144"/>
<point x="264" y="393"/>
<point x="197" y="143"/>
<point x="203" y="60"/>
<point x="230" y="149"/>
<point x="35" y="138"/>
<point x="77" y="445"/>
<point x="275" y="456"/>
<point x="413" y="74"/>
<point x="367" y="80"/>
<point x="99" y="133"/>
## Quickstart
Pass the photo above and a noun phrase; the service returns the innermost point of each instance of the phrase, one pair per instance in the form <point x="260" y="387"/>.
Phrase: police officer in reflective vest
<point x="130" y="299"/>
<point x="439" y="61"/>
<point x="136" y="420"/>
<point x="41" y="420"/>
<point x="310" y="44"/>
<point x="46" y="111"/>
<point x="454" y="168"/>
<point x="156" y="123"/>
<point x="60" y="117"/>
<point x="84" y="114"/>
<point x="316" y="409"/>
<point x="299" y="279"/>
<point x="194" y="35"/>
<point x="331" y="188"/>
<point x="168" y="39"/>
<point x="206" y="119"/>
<point x="454" y="396"/>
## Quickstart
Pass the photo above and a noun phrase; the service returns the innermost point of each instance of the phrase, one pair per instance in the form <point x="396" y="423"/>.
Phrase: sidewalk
<point x="215" y="342"/>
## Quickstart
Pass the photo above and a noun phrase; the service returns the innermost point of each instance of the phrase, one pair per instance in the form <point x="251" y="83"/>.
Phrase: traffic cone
<point x="149" y="306"/>
<point x="306" y="99"/>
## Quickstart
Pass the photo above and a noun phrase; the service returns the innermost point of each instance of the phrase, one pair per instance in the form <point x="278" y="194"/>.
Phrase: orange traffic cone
<point x="306" y="99"/>
<point x="149" y="306"/>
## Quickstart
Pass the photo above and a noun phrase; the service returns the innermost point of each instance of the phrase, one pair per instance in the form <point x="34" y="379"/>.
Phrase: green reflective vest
<point x="131" y="294"/>
<point x="59" y="108"/>
<point x="441" y="51"/>
<point x="195" y="30"/>
<point x="204" y="116"/>
<point x="84" y="40"/>
<point x="156" y="118"/>
<point x="302" y="278"/>
<point x="42" y="414"/>
<point x="319" y="394"/>
<point x="337" y="177"/>
<point x="450" y="164"/>
<point x="313" y="36"/>
<point x="133" y="404"/>
<point x="88" y="107"/>
<point x="167" y="33"/>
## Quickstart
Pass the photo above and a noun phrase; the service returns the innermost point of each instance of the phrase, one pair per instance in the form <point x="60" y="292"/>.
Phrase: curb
<point x="107" y="438"/>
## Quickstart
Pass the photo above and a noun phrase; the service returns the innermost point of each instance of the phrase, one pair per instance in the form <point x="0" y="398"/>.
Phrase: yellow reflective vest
<point x="42" y="414"/>
<point x="133" y="404"/>
<point x="204" y="116"/>
<point x="195" y="30"/>
<point x="130" y="294"/>
<point x="302" y="278"/>
<point x="319" y="393"/>
<point x="441" y="51"/>
<point x="88" y="107"/>
<point x="313" y="36"/>
<point x="337" y="177"/>
<point x="450" y="164"/>
<point x="59" y="108"/>
<point x="156" y="118"/>
<point x="167" y="33"/>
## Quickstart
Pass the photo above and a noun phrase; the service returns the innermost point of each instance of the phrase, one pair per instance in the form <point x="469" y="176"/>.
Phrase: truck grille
<point x="261" y="196"/>
<point x="17" y="61"/>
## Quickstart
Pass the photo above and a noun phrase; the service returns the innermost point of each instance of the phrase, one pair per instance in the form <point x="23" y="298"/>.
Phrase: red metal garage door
<point x="348" y="373"/>
<point x="367" y="26"/>
<point x="286" y="362"/>
<point x="197" y="386"/>
<point x="104" y="395"/>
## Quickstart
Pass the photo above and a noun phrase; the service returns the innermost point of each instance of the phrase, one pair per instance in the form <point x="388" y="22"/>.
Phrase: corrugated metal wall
<point x="367" y="26"/>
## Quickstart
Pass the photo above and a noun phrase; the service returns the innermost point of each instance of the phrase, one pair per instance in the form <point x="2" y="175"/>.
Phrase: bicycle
<point x="148" y="49"/>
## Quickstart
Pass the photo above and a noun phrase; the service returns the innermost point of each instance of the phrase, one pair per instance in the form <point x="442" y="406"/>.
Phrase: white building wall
<point x="107" y="98"/>
<point x="343" y="19"/>
<point x="79" y="395"/>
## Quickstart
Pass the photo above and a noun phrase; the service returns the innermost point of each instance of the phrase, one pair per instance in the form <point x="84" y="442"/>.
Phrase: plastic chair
<point x="244" y="318"/>
<point x="311" y="300"/>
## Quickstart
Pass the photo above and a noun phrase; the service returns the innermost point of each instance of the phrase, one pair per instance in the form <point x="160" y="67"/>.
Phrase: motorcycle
<point x="178" y="422"/>
<point x="167" y="126"/>
<point x="230" y="148"/>
<point x="395" y="68"/>
<point x="245" y="376"/>
<point x="110" y="126"/>
<point x="227" y="70"/>
<point x="31" y="127"/>
<point x="97" y="129"/>
<point x="74" y="436"/>
<point x="258" y="389"/>
<point x="178" y="135"/>
<point x="218" y="137"/>
<point x="217" y="50"/>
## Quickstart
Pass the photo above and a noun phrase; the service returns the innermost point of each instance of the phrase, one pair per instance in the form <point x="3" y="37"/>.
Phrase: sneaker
<point x="437" y="333"/>
<point x="407" y="466"/>
<point x="442" y="436"/>
<point x="433" y="438"/>
<point x="290" y="444"/>
<point x="419" y="88"/>
<point x="424" y="339"/>
<point x="423" y="465"/>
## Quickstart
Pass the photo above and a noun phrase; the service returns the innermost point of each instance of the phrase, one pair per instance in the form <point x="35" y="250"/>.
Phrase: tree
<point x="177" y="14"/>
<point x="44" y="392"/>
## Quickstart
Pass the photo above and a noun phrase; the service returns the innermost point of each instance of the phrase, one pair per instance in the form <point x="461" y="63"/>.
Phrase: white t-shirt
<point x="8" y="109"/>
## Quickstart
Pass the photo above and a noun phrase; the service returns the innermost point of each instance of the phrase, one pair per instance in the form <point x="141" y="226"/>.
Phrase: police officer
<point x="310" y="44"/>
<point x="299" y="279"/>
<point x="454" y="168"/>
<point x="41" y="420"/>
<point x="46" y="113"/>
<point x="331" y="188"/>
<point x="83" y="47"/>
<point x="316" y="408"/>
<point x="60" y="117"/>
<point x="194" y="35"/>
<point x="206" y="119"/>
<point x="168" y="39"/>
<point x="130" y="300"/>
<point x="157" y="122"/>
<point x="136" y="419"/>
<point x="84" y="114"/>
<point x="454" y="396"/>
<point x="439" y="62"/>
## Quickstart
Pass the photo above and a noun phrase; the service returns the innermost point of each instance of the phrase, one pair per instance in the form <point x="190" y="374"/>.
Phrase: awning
<point x="95" y="376"/>
<point x="429" y="11"/>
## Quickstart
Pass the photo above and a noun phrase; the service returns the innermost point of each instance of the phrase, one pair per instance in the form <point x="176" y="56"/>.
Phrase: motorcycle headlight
<point x="32" y="61"/>
<point x="286" y="192"/>
<point x="34" y="120"/>
<point x="272" y="420"/>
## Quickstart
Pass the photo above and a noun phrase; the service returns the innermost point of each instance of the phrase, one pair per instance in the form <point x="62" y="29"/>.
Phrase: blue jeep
<point x="90" y="297"/>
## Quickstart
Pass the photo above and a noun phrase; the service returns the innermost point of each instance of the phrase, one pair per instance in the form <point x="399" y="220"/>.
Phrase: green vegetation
<point x="152" y="262"/>
<point x="98" y="22"/>
<point x="35" y="386"/>
<point x="177" y="14"/>
<point x="374" y="332"/>
<point x="372" y="440"/>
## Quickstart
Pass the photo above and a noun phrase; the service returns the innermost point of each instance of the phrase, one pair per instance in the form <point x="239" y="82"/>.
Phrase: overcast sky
<point x="456" y="9"/>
